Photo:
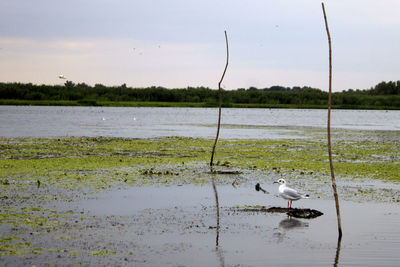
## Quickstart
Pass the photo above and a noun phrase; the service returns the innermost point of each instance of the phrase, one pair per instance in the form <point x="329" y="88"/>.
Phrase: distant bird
<point x="61" y="76"/>
<point x="288" y="193"/>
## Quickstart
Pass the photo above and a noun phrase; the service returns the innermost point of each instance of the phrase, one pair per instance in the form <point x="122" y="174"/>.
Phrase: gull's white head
<point x="280" y="181"/>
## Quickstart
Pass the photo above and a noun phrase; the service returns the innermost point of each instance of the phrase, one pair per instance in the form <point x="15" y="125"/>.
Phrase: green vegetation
<point x="385" y="95"/>
<point x="102" y="253"/>
<point x="99" y="162"/>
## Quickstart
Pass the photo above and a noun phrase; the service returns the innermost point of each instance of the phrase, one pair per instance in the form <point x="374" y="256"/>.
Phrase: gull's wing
<point x="291" y="193"/>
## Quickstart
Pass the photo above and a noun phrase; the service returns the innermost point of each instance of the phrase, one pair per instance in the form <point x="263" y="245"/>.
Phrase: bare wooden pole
<point x="216" y="139"/>
<point x="335" y="194"/>
<point x="220" y="101"/>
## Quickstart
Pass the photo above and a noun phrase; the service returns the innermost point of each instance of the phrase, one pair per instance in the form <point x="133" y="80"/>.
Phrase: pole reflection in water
<point x="217" y="209"/>
<point x="217" y="247"/>
<point x="339" y="243"/>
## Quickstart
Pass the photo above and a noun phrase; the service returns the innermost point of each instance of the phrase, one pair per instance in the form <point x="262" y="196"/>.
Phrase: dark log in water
<point x="296" y="213"/>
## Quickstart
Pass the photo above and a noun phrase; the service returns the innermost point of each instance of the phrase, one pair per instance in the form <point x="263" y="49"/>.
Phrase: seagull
<point x="288" y="193"/>
<point x="61" y="76"/>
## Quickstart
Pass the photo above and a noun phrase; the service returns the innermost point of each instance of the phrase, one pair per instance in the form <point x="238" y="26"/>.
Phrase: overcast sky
<point x="176" y="44"/>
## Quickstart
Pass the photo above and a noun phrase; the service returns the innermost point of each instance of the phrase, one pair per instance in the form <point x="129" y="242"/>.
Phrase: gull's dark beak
<point x="276" y="182"/>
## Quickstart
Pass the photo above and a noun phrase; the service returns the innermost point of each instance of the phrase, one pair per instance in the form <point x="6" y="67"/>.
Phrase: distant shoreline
<point x="384" y="96"/>
<point x="94" y="103"/>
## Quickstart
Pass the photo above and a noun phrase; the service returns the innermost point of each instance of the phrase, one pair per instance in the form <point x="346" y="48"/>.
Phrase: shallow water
<point x="178" y="224"/>
<point x="37" y="121"/>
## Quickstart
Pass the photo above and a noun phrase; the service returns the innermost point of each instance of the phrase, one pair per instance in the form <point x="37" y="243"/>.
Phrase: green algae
<point x="102" y="253"/>
<point x="99" y="162"/>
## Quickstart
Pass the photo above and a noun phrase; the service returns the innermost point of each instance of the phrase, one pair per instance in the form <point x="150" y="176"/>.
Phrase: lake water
<point x="37" y="121"/>
<point x="370" y="236"/>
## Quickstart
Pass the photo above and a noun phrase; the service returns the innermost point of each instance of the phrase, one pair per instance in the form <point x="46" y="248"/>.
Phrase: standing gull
<point x="288" y="193"/>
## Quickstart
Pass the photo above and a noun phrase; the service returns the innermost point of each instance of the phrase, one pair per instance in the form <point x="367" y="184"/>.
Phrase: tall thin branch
<point x="220" y="101"/>
<point x="335" y="194"/>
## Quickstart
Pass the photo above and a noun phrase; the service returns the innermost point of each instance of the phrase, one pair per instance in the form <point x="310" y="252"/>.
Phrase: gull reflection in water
<point x="286" y="225"/>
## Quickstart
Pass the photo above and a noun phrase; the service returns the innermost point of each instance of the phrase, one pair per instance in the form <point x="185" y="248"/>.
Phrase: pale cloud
<point x="110" y="62"/>
<point x="365" y="13"/>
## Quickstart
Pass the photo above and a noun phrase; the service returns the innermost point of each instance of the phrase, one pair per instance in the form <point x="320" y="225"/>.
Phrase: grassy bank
<point x="178" y="104"/>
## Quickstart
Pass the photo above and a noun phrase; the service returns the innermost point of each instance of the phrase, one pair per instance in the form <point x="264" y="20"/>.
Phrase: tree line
<point x="383" y="95"/>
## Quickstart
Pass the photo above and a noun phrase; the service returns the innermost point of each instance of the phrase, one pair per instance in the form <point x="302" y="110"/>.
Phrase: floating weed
<point x="9" y="238"/>
<point x="102" y="253"/>
<point x="19" y="249"/>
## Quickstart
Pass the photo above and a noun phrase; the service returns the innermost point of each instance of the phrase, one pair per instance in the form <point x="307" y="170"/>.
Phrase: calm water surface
<point x="371" y="236"/>
<point x="36" y="121"/>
